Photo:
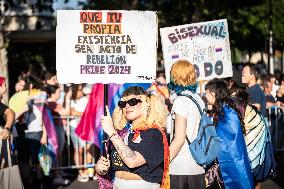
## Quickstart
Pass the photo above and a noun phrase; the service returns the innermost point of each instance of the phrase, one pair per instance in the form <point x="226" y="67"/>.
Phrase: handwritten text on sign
<point x="206" y="45"/>
<point x="106" y="44"/>
<point x="109" y="47"/>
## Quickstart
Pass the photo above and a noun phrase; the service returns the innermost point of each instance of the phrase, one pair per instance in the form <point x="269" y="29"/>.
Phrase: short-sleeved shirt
<point x="257" y="97"/>
<point x="79" y="106"/>
<point x="3" y="108"/>
<point x="33" y="118"/>
<point x="150" y="145"/>
<point x="183" y="163"/>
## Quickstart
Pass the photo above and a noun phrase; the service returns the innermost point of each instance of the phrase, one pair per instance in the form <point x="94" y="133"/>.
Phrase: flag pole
<point x="105" y="137"/>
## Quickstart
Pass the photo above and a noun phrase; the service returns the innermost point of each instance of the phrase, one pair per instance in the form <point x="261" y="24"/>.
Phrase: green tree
<point x="278" y="22"/>
<point x="248" y="23"/>
<point x="10" y="9"/>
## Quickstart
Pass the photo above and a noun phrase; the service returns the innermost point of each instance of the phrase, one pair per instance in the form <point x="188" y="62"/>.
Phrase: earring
<point x="119" y="119"/>
<point x="123" y="120"/>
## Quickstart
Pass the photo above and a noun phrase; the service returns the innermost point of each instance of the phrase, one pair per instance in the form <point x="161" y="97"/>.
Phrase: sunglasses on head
<point x="131" y="102"/>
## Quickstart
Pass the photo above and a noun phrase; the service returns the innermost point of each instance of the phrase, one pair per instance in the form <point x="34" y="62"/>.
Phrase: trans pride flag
<point x="89" y="127"/>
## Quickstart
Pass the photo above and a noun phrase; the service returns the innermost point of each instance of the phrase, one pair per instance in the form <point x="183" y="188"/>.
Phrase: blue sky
<point x="72" y="4"/>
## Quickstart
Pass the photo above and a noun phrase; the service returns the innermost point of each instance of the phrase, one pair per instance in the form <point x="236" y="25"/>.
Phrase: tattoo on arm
<point x="125" y="153"/>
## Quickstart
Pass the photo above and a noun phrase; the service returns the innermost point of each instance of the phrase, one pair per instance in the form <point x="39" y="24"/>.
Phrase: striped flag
<point x="39" y="99"/>
<point x="89" y="127"/>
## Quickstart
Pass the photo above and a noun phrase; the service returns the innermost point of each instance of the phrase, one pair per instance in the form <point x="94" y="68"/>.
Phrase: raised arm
<point x="129" y="157"/>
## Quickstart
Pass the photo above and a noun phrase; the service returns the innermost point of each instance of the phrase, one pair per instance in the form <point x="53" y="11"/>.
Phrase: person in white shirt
<point x="184" y="171"/>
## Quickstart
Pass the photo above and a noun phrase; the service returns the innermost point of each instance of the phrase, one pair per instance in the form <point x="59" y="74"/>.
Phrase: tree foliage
<point x="247" y="19"/>
<point x="278" y="22"/>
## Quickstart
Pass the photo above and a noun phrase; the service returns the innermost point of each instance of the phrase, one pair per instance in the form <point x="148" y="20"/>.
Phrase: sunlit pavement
<point x="79" y="185"/>
<point x="269" y="184"/>
<point x="276" y="183"/>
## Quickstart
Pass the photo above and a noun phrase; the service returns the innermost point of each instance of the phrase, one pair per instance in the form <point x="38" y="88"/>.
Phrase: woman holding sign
<point x="140" y="154"/>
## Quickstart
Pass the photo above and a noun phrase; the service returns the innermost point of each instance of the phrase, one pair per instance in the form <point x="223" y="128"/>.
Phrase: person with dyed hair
<point x="7" y="116"/>
<point x="139" y="152"/>
<point x="3" y="86"/>
<point x="184" y="171"/>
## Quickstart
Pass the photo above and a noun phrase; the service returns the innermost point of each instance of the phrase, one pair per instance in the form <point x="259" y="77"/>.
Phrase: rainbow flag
<point x="89" y="127"/>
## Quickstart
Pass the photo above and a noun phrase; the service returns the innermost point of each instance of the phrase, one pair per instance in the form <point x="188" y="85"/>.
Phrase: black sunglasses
<point x="131" y="102"/>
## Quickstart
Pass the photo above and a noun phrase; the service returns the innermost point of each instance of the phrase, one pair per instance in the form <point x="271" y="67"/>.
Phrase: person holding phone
<point x="139" y="155"/>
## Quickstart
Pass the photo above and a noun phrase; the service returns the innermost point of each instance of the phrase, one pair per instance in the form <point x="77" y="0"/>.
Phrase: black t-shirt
<point x="150" y="146"/>
<point x="257" y="97"/>
<point x="3" y="108"/>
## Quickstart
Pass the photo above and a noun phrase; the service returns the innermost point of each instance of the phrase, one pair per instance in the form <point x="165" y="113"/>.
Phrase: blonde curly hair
<point x="153" y="108"/>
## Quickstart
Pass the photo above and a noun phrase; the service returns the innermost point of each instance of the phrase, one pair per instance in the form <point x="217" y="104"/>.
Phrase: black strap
<point x="186" y="138"/>
<point x="2" y="153"/>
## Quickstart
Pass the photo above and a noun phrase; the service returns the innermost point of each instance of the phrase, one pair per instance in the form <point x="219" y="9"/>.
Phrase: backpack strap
<point x="188" y="142"/>
<point x="195" y="102"/>
<point x="199" y="108"/>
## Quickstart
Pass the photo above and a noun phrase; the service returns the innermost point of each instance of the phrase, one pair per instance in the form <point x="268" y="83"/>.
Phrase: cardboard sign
<point x="106" y="46"/>
<point x="206" y="45"/>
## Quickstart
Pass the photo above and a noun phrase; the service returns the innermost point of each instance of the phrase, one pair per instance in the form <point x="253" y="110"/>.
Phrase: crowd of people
<point x="237" y="106"/>
<point x="65" y="104"/>
<point x="150" y="129"/>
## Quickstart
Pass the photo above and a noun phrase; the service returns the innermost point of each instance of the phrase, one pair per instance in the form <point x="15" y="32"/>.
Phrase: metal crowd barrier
<point x="67" y="144"/>
<point x="275" y="120"/>
<point x="275" y="117"/>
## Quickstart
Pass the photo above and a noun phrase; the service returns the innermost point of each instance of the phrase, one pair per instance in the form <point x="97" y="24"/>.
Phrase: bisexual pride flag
<point x="89" y="127"/>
